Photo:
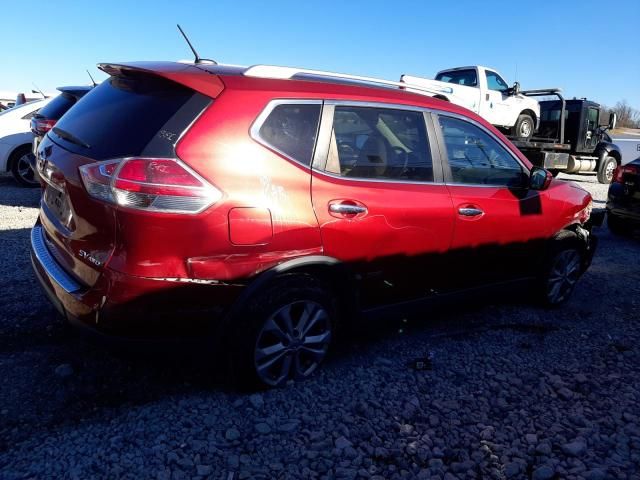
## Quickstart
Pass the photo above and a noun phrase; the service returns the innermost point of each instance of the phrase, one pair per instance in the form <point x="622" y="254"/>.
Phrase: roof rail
<point x="290" y="73"/>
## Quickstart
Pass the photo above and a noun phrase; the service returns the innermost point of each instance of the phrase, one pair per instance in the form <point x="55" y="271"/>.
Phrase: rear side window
<point x="291" y="129"/>
<point x="379" y="143"/>
<point x="58" y="106"/>
<point x="132" y="115"/>
<point x="460" y="77"/>
<point x="476" y="158"/>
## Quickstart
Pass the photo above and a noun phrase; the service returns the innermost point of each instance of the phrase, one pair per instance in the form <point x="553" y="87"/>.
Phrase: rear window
<point x="129" y="116"/>
<point x="291" y="129"/>
<point x="58" y="106"/>
<point x="460" y="77"/>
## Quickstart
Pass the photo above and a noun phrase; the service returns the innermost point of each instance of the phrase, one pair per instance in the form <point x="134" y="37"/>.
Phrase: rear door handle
<point x="346" y="209"/>
<point x="470" y="211"/>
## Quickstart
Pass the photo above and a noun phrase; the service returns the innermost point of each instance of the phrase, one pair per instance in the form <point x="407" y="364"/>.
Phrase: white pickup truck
<point x="483" y="91"/>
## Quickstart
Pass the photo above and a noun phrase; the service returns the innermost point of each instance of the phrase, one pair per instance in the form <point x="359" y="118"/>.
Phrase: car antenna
<point x="37" y="90"/>
<point x="92" y="80"/>
<point x="195" y="54"/>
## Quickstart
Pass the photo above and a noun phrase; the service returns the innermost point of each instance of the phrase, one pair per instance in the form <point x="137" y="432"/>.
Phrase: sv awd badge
<point x="87" y="256"/>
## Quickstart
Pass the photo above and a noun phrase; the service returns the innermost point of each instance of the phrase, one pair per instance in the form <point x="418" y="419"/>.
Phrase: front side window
<point x="476" y="158"/>
<point x="495" y="82"/>
<point x="292" y="129"/>
<point x="459" y="77"/>
<point x="592" y="119"/>
<point x="379" y="143"/>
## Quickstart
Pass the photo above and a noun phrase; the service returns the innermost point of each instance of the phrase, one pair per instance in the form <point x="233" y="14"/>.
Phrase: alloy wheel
<point x="292" y="343"/>
<point x="25" y="171"/>
<point x="564" y="274"/>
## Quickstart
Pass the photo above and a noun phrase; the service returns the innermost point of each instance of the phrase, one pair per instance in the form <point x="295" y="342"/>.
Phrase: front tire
<point x="605" y="171"/>
<point x="562" y="270"/>
<point x="283" y="334"/>
<point x="524" y="127"/>
<point x="21" y="167"/>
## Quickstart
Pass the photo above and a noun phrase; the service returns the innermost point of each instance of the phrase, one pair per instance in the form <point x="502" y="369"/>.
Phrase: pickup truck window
<point x="475" y="158"/>
<point x="495" y="82"/>
<point x="468" y="78"/>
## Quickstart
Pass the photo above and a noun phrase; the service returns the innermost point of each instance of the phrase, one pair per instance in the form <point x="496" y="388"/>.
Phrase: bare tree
<point x="628" y="116"/>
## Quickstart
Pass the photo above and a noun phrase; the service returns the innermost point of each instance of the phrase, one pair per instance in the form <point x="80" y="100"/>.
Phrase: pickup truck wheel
<point x="605" y="171"/>
<point x="21" y="168"/>
<point x="283" y="333"/>
<point x="523" y="129"/>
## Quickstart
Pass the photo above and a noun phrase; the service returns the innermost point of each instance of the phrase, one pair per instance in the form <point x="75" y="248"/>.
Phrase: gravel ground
<point x="514" y="391"/>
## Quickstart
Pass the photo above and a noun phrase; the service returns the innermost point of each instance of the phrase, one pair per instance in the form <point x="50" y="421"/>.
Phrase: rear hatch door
<point x="131" y="114"/>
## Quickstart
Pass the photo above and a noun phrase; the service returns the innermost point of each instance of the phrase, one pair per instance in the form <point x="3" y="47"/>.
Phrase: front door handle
<point x="346" y="208"/>
<point x="470" y="212"/>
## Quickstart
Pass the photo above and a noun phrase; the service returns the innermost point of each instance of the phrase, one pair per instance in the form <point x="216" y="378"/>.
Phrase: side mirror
<point x="613" y="118"/>
<point x="515" y="90"/>
<point x="540" y="178"/>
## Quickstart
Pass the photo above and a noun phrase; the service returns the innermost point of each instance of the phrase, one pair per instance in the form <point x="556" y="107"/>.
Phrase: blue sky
<point x="588" y="48"/>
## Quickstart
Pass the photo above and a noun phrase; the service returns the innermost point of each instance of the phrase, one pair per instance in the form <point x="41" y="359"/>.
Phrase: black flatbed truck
<point x="570" y="139"/>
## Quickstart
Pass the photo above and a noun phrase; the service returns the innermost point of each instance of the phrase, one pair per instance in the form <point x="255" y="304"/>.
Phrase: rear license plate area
<point x="57" y="203"/>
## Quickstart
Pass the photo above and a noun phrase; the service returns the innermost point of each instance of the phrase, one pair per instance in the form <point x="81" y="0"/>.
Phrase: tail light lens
<point x="622" y="170"/>
<point x="40" y="126"/>
<point x="149" y="184"/>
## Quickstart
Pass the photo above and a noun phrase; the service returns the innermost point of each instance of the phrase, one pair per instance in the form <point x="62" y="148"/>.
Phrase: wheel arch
<point x="606" y="149"/>
<point x="532" y="114"/>
<point x="330" y="270"/>
<point x="12" y="156"/>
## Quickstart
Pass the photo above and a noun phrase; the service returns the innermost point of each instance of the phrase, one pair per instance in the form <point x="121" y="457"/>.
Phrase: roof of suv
<point x="321" y="85"/>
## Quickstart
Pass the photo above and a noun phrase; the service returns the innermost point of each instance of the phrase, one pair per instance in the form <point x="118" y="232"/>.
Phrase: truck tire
<point x="524" y="127"/>
<point x="606" y="168"/>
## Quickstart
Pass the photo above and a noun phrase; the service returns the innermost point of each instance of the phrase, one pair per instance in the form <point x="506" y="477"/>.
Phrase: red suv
<point x="268" y="205"/>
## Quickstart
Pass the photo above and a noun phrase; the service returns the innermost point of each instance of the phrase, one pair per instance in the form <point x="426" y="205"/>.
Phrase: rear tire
<point x="21" y="168"/>
<point x="283" y="333"/>
<point x="605" y="170"/>
<point x="561" y="270"/>
<point x="524" y="127"/>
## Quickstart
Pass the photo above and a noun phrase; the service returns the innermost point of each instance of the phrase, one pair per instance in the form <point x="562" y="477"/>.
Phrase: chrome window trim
<point x="373" y="180"/>
<point x="324" y="139"/>
<point x="254" y="130"/>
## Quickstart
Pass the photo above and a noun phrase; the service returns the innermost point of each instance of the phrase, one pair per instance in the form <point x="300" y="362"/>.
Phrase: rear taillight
<point x="622" y="170"/>
<point x="40" y="126"/>
<point x="149" y="184"/>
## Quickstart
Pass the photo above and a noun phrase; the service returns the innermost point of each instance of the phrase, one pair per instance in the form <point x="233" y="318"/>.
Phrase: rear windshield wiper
<point x="70" y="137"/>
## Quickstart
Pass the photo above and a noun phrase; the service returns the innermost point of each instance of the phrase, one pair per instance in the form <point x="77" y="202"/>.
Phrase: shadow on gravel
<point x="12" y="195"/>
<point x="461" y="321"/>
<point x="59" y="377"/>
